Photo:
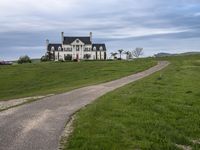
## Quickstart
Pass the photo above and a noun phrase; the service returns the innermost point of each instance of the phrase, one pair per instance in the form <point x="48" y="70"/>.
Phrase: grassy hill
<point x="46" y="78"/>
<point x="160" y="112"/>
<point x="181" y="54"/>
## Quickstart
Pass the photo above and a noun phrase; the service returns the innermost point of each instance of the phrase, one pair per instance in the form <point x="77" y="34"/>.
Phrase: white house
<point x="76" y="48"/>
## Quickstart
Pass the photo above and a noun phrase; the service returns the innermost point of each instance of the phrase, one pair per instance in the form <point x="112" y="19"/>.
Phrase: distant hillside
<point x="163" y="54"/>
<point x="181" y="54"/>
<point x="34" y="60"/>
<point x="190" y="53"/>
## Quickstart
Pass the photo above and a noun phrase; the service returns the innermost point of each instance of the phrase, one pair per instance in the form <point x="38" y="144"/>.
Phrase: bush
<point x="61" y="60"/>
<point x="68" y="57"/>
<point x="24" y="59"/>
<point x="87" y="56"/>
<point x="44" y="58"/>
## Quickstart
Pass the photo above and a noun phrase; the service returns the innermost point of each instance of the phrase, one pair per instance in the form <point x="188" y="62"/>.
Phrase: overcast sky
<point x="156" y="25"/>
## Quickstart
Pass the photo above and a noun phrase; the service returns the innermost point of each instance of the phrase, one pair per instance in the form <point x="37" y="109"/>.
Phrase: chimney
<point x="62" y="36"/>
<point x="91" y="36"/>
<point x="47" y="43"/>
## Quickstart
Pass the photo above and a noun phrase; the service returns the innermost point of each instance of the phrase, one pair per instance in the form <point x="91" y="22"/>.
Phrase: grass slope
<point x="44" y="78"/>
<point x="152" y="114"/>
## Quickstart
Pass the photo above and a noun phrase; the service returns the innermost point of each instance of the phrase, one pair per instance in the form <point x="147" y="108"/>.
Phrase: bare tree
<point x="137" y="52"/>
<point x="114" y="55"/>
<point x="120" y="53"/>
<point x="128" y="55"/>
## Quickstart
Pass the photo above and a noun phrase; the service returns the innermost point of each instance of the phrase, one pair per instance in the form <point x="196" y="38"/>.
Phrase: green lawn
<point x="154" y="113"/>
<point x="45" y="78"/>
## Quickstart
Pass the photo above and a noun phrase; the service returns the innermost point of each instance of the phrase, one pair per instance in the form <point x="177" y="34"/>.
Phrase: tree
<point x="128" y="55"/>
<point x="137" y="52"/>
<point x="120" y="53"/>
<point x="44" y="58"/>
<point x="114" y="55"/>
<point x="24" y="59"/>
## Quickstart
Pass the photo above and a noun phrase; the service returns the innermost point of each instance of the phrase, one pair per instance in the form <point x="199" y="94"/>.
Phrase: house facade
<point x="76" y="48"/>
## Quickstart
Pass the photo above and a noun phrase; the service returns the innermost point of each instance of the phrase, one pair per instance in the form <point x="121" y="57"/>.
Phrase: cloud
<point x="197" y="14"/>
<point x="28" y="23"/>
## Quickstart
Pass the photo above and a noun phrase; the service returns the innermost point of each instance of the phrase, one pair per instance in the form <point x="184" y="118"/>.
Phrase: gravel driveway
<point x="38" y="125"/>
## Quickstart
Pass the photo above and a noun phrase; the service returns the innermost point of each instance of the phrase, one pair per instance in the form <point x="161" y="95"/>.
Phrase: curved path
<point x="38" y="125"/>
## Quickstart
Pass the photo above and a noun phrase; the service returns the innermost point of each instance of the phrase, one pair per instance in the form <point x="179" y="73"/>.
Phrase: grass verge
<point x="50" y="78"/>
<point x="158" y="112"/>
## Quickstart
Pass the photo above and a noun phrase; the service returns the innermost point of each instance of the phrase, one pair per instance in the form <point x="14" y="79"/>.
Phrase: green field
<point x="46" y="78"/>
<point x="155" y="113"/>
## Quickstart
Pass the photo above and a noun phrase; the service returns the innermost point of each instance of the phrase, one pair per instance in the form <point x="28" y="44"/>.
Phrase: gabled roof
<point x="69" y="40"/>
<point x="55" y="45"/>
<point x="98" y="46"/>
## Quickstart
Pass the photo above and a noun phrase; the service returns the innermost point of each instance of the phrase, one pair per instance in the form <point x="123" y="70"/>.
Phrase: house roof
<point x="69" y="40"/>
<point x="55" y="45"/>
<point x="98" y="46"/>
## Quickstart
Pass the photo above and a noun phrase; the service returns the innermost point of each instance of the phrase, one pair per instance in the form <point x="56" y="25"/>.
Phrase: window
<point x="94" y="48"/>
<point x="77" y="41"/>
<point x="68" y="49"/>
<point x="77" y="48"/>
<point x="101" y="48"/>
<point x="59" y="48"/>
<point x="52" y="48"/>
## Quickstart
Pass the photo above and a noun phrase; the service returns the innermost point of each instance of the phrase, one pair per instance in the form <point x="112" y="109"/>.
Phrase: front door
<point x="77" y="56"/>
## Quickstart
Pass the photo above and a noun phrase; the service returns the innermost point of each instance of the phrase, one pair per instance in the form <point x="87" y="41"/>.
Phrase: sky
<point x="171" y="26"/>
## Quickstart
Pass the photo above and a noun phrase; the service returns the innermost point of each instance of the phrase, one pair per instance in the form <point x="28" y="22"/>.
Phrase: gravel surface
<point x="15" y="102"/>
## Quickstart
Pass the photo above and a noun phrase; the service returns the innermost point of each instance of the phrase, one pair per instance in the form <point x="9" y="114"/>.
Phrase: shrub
<point x="87" y="56"/>
<point x="24" y="59"/>
<point x="68" y="57"/>
<point x="61" y="60"/>
<point x="44" y="58"/>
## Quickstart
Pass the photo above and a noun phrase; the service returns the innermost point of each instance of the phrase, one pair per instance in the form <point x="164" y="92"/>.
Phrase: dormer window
<point x="52" y="48"/>
<point x="59" y="48"/>
<point x="94" y="48"/>
<point x="101" y="48"/>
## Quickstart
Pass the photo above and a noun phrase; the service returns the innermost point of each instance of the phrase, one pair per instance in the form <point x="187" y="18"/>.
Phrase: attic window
<point x="59" y="48"/>
<point x="52" y="48"/>
<point x="77" y="41"/>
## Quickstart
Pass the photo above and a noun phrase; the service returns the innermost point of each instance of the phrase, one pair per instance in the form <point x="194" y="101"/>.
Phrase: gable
<point x="77" y="42"/>
<point x="70" y="40"/>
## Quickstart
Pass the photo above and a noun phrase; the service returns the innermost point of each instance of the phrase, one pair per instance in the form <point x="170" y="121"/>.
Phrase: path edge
<point x="69" y="127"/>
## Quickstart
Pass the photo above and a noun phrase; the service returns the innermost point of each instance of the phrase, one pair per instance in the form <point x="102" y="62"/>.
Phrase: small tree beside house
<point x="44" y="58"/>
<point x="120" y="53"/>
<point x="137" y="52"/>
<point x="24" y="59"/>
<point x="114" y="55"/>
<point x="128" y="55"/>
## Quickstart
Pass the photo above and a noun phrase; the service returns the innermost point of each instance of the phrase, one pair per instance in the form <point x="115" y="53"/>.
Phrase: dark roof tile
<point x="56" y="46"/>
<point x="69" y="40"/>
<point x="98" y="46"/>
